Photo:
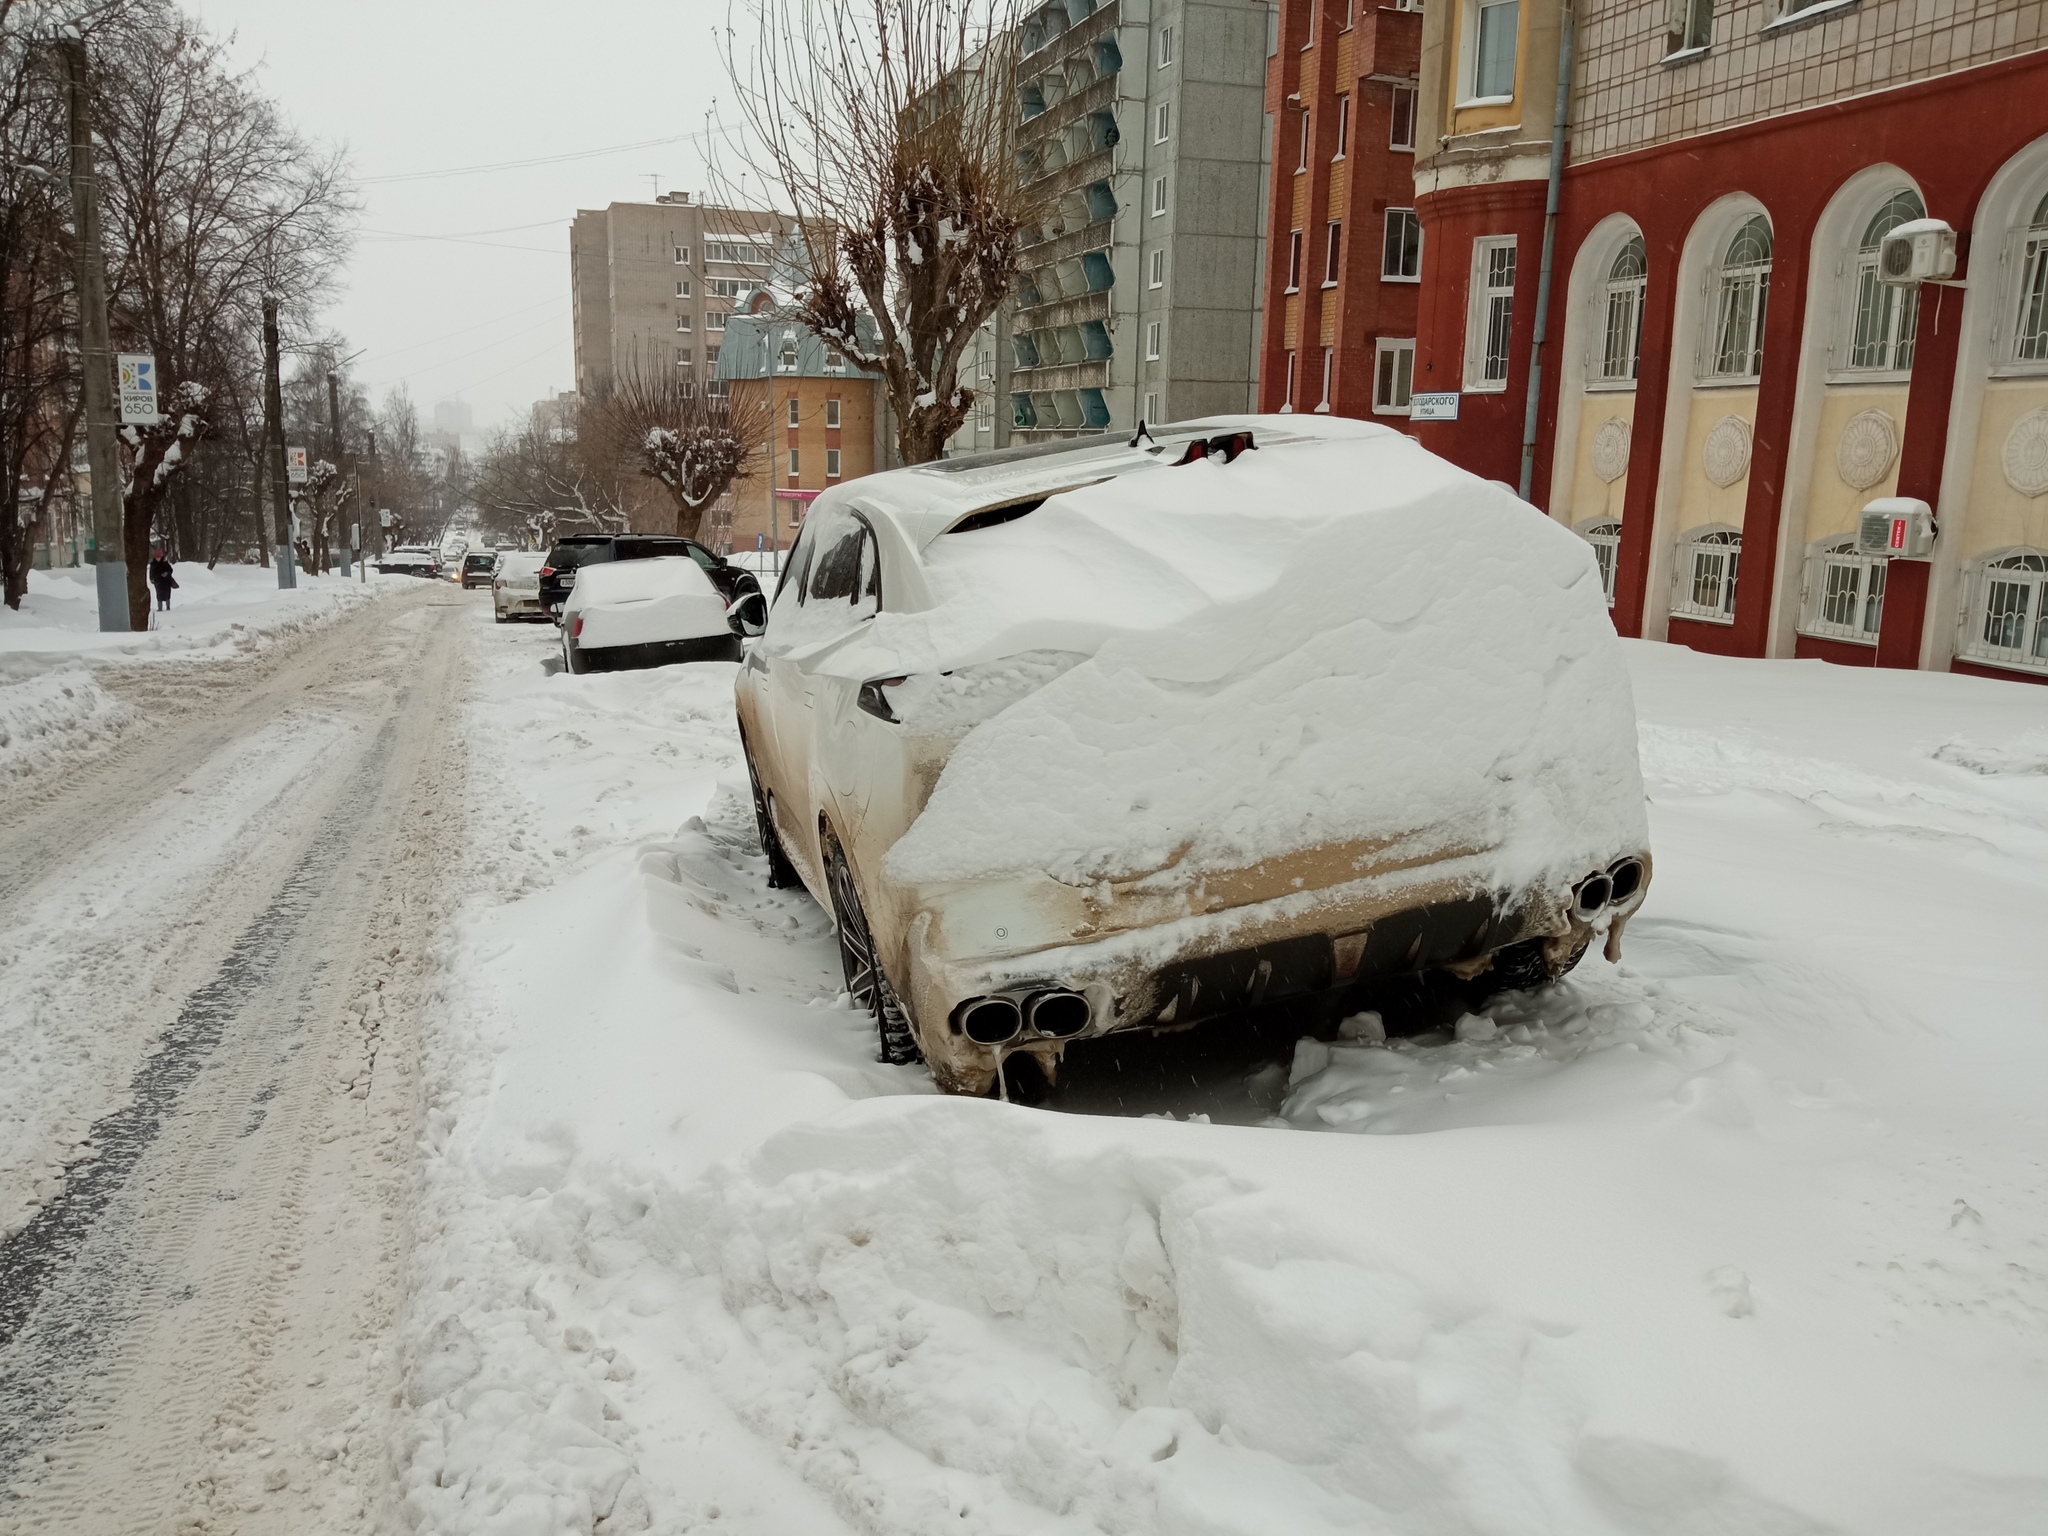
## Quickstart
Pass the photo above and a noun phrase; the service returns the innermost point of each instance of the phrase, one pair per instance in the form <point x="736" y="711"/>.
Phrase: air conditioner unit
<point x="1919" y="251"/>
<point x="1896" y="528"/>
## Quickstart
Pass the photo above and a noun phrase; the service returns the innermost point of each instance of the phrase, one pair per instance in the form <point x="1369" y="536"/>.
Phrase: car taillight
<point x="547" y="570"/>
<point x="576" y="630"/>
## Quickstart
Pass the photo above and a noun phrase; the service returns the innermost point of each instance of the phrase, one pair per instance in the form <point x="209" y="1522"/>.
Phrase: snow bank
<point x="53" y="707"/>
<point x="1743" y="1236"/>
<point x="1318" y="643"/>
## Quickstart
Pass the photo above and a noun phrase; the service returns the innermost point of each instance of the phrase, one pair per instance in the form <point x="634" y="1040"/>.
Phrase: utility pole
<point x="334" y="447"/>
<point x="95" y="349"/>
<point x="273" y="441"/>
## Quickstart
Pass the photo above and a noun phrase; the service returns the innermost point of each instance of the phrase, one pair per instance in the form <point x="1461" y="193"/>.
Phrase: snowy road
<point x="211" y="944"/>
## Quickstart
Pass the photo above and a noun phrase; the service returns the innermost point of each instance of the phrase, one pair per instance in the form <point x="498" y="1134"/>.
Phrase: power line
<point x="520" y="165"/>
<point x="510" y="314"/>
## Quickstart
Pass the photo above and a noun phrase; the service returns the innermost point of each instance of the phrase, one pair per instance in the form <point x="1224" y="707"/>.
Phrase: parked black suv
<point x="559" y="572"/>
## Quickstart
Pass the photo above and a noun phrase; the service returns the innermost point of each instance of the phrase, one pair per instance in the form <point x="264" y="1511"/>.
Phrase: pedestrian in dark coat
<point x="161" y="578"/>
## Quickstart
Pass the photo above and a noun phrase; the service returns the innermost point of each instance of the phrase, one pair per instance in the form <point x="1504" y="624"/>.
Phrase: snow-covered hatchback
<point x="1099" y="736"/>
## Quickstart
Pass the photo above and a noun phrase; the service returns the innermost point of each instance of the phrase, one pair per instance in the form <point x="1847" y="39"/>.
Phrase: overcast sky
<point x="409" y="86"/>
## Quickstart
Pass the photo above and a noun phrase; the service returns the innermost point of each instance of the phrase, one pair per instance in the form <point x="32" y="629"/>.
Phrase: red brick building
<point x="1345" y="247"/>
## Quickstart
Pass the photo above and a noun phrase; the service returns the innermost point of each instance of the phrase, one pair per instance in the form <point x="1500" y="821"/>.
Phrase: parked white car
<point x="648" y="613"/>
<point x="515" y="585"/>
<point x="1099" y="736"/>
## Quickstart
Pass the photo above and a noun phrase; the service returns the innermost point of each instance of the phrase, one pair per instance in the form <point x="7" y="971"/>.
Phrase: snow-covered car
<point x="515" y="585"/>
<point x="1098" y="736"/>
<point x="410" y="560"/>
<point x="649" y="613"/>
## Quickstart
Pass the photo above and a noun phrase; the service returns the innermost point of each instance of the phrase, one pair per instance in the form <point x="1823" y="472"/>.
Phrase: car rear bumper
<point x="657" y="653"/>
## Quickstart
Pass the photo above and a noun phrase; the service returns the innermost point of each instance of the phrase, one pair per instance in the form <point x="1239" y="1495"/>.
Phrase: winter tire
<point x="865" y="981"/>
<point x="782" y="875"/>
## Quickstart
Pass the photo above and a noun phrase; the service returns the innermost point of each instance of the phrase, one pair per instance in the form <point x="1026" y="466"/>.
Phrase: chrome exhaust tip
<point x="989" y="1020"/>
<point x="1624" y="879"/>
<point x="1592" y="894"/>
<point x="1058" y="1015"/>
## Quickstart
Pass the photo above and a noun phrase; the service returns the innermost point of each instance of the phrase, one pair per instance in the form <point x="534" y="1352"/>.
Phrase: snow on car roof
<point x="927" y="499"/>
<point x="639" y="581"/>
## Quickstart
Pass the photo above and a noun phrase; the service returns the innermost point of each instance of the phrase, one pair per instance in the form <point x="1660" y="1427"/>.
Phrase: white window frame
<point x="1705" y="572"/>
<point x="2022" y="336"/>
<point x="1691" y="28"/>
<point x="1469" y="93"/>
<point x="1152" y="408"/>
<point x="1333" y="252"/>
<point x="682" y="255"/>
<point x="831" y="463"/>
<point x="1158" y="196"/>
<point x="1152" y="330"/>
<point x="1604" y="534"/>
<point x="794" y="416"/>
<point x="1294" y="260"/>
<point x="714" y="319"/>
<point x="682" y="287"/>
<point x="1343" y="124"/>
<point x="1405" y="217"/>
<point x="2017" y="638"/>
<point x="1162" y="122"/>
<point x="831" y="411"/>
<point x="1728" y="285"/>
<point x="793" y="462"/>
<point x="683" y="357"/>
<point x="1402" y="110"/>
<point x="710" y="355"/>
<point x="835" y="360"/>
<point x="1842" y="595"/>
<point x="1165" y="46"/>
<point x="683" y="325"/>
<point x="1490" y="315"/>
<point x="1156" y="272"/>
<point x="1888" y="354"/>
<point x="1287" y="402"/>
<point x="1620" y="300"/>
<point x="788" y="359"/>
<point x="1394" y="402"/>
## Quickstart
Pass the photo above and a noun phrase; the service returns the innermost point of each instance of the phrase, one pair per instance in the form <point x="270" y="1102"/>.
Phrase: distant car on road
<point x="650" y="613"/>
<point x="477" y="568"/>
<point x="515" y="585"/>
<point x="558" y="572"/>
<point x="1100" y="736"/>
<point x="410" y="560"/>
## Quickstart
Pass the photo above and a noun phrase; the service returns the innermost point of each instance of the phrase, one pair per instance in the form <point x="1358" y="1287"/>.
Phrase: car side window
<point x="835" y="574"/>
<point x="702" y="556"/>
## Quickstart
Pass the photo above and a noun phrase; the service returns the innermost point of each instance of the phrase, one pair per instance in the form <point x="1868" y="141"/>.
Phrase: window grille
<point x="1885" y="318"/>
<point x="1605" y="537"/>
<point x="2030" y="325"/>
<point x="1493" y="312"/>
<point x="1704" y="575"/>
<point x="2007" y="620"/>
<point x="1844" y="597"/>
<point x="1744" y="296"/>
<point x="1621" y="351"/>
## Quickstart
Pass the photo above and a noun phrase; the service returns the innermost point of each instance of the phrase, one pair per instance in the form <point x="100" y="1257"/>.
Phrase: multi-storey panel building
<point x="1344" y="241"/>
<point x="653" y="283"/>
<point x="1142" y="122"/>
<point x="1727" y="379"/>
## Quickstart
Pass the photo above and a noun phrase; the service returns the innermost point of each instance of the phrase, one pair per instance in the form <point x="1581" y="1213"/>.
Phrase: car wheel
<point x="782" y="875"/>
<point x="864" y="977"/>
<point x="1528" y="964"/>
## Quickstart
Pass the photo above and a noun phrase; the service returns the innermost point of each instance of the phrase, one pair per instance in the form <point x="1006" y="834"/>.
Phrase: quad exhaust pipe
<point x="1052" y="1013"/>
<point x="1613" y="886"/>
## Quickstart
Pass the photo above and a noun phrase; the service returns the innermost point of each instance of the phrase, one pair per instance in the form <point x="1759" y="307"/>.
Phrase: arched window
<point x="1605" y="537"/>
<point x="1703" y="575"/>
<point x="1737" y="349"/>
<point x="2007" y="617"/>
<point x="1621" y="351"/>
<point x="1881" y="337"/>
<point x="1844" y="593"/>
<point x="2030" y="325"/>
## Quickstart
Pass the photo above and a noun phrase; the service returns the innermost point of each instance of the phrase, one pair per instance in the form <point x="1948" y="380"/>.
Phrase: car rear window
<point x="480" y="562"/>
<point x="566" y="557"/>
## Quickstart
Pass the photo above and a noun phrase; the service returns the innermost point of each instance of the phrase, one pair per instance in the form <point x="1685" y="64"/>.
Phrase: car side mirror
<point x="749" y="616"/>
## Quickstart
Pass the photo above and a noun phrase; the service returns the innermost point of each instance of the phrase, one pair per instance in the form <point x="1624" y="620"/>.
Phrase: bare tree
<point x="660" y="424"/>
<point x="157" y="454"/>
<point x="887" y="128"/>
<point x="548" y="477"/>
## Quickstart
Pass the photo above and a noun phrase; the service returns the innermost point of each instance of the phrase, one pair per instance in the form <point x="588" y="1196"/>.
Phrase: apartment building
<point x="1344" y="238"/>
<point x="1727" y="376"/>
<point x="652" y="283"/>
<point x="1143" y="123"/>
<point x="817" y="421"/>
